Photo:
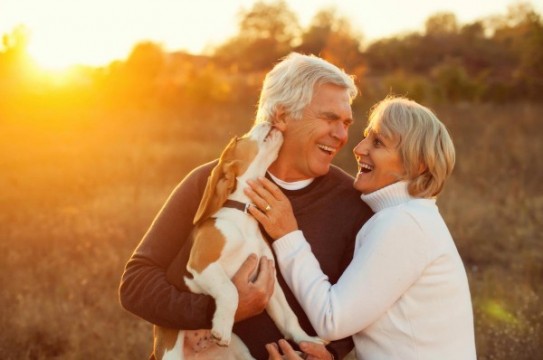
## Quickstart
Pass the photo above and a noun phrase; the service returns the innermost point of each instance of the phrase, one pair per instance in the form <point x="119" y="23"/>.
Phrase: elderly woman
<point x="405" y="295"/>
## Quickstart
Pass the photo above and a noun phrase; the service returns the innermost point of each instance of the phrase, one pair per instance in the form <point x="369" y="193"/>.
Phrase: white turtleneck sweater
<point x="405" y="294"/>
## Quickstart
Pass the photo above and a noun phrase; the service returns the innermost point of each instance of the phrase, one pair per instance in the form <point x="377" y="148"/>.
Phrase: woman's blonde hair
<point x="425" y="147"/>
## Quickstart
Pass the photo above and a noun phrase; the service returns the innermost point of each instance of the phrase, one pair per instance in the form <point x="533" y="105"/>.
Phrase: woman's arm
<point x="387" y="261"/>
<point x="390" y="255"/>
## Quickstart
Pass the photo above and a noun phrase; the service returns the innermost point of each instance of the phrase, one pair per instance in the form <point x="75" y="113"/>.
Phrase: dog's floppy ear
<point x="220" y="184"/>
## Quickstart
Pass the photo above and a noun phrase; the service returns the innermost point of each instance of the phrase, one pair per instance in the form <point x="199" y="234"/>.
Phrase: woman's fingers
<point x="261" y="207"/>
<point x="288" y="352"/>
<point x="259" y="215"/>
<point x="259" y="196"/>
<point x="273" y="209"/>
<point x="272" y="189"/>
<point x="273" y="352"/>
<point x="265" y="194"/>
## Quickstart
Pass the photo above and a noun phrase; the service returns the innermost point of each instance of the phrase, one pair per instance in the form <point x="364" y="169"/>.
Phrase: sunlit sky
<point x="94" y="32"/>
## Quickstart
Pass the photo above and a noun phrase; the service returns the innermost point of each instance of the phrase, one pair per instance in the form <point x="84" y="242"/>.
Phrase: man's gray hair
<point x="291" y="83"/>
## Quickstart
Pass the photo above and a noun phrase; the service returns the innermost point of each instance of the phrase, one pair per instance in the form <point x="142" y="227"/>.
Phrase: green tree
<point x="452" y="81"/>
<point x="397" y="53"/>
<point x="332" y="37"/>
<point x="441" y="24"/>
<point x="526" y="28"/>
<point x="137" y="77"/>
<point x="266" y="32"/>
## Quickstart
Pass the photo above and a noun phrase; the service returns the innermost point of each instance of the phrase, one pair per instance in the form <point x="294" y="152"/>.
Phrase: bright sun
<point x="96" y="32"/>
<point x="62" y="34"/>
<point x="49" y="59"/>
<point x="52" y="52"/>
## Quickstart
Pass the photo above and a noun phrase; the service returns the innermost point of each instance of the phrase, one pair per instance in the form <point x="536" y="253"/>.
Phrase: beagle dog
<point x="225" y="234"/>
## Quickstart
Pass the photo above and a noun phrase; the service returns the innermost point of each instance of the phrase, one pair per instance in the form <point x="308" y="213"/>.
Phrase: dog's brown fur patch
<point x="207" y="246"/>
<point x="245" y="152"/>
<point x="234" y="161"/>
<point x="164" y="340"/>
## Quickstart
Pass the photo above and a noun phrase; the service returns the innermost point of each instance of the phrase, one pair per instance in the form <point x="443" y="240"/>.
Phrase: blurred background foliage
<point x="495" y="59"/>
<point x="90" y="154"/>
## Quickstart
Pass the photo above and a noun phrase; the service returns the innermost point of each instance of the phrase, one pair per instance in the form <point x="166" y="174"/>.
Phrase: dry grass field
<point x="78" y="190"/>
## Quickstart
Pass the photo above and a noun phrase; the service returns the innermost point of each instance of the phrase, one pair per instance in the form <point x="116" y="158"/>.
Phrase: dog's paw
<point x="313" y="339"/>
<point x="318" y="340"/>
<point x="274" y="139"/>
<point x="221" y="338"/>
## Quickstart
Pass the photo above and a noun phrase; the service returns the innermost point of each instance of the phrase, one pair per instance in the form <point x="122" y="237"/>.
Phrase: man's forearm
<point x="152" y="285"/>
<point x="145" y="292"/>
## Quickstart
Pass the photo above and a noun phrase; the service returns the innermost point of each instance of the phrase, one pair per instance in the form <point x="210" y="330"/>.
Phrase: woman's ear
<point x="280" y="119"/>
<point x="422" y="168"/>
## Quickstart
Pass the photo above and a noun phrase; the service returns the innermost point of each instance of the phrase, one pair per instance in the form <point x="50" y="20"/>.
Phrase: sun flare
<point x="49" y="60"/>
<point x="60" y="53"/>
<point x="66" y="33"/>
<point x="63" y="34"/>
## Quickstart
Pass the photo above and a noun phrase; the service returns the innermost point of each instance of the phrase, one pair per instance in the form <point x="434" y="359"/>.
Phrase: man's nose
<point x="341" y="132"/>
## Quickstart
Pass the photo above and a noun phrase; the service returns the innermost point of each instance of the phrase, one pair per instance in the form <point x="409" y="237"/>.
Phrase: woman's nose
<point x="360" y="148"/>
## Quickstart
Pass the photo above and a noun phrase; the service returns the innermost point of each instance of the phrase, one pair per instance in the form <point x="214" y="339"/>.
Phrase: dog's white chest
<point x="243" y="238"/>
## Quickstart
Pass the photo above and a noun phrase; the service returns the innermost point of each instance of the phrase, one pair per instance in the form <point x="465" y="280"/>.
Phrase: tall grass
<point x="78" y="190"/>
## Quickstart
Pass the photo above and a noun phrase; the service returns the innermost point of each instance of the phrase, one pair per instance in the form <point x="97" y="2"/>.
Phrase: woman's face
<point x="379" y="163"/>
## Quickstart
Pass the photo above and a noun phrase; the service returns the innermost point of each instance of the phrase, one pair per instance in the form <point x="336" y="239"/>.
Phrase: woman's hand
<point x="312" y="351"/>
<point x="288" y="352"/>
<point x="272" y="210"/>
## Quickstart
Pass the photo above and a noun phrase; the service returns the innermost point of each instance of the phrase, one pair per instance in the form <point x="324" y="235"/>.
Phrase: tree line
<point x="494" y="59"/>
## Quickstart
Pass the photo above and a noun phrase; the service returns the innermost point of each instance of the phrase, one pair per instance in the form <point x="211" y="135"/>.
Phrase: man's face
<point x="311" y="143"/>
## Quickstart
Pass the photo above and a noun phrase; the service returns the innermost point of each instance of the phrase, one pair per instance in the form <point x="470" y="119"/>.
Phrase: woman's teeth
<point x="365" y="168"/>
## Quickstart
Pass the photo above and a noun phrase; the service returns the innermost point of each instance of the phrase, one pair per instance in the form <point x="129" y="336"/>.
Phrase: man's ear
<point x="279" y="120"/>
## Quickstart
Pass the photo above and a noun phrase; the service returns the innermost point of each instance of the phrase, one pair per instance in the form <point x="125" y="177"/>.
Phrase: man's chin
<point x="321" y="169"/>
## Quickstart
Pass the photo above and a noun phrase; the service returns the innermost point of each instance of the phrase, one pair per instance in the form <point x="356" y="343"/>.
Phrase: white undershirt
<point x="294" y="185"/>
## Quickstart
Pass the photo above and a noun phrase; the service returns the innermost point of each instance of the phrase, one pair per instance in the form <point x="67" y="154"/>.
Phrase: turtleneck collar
<point x="391" y="195"/>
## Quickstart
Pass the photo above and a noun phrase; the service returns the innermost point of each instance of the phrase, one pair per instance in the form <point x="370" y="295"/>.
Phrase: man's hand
<point x="312" y="351"/>
<point x="253" y="294"/>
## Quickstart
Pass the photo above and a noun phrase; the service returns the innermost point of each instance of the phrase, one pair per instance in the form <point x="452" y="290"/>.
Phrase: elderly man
<point x="309" y="100"/>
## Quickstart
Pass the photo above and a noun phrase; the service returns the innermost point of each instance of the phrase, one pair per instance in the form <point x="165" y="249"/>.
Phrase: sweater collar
<point x="389" y="196"/>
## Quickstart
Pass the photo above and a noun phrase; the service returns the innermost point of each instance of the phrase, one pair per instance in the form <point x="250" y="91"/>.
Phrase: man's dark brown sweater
<point x="328" y="211"/>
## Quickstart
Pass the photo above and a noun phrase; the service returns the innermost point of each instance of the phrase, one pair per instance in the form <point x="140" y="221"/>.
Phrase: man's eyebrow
<point x="333" y="116"/>
<point x="329" y="115"/>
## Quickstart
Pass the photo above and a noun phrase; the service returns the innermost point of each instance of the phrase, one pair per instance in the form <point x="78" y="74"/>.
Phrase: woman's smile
<point x="379" y="163"/>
